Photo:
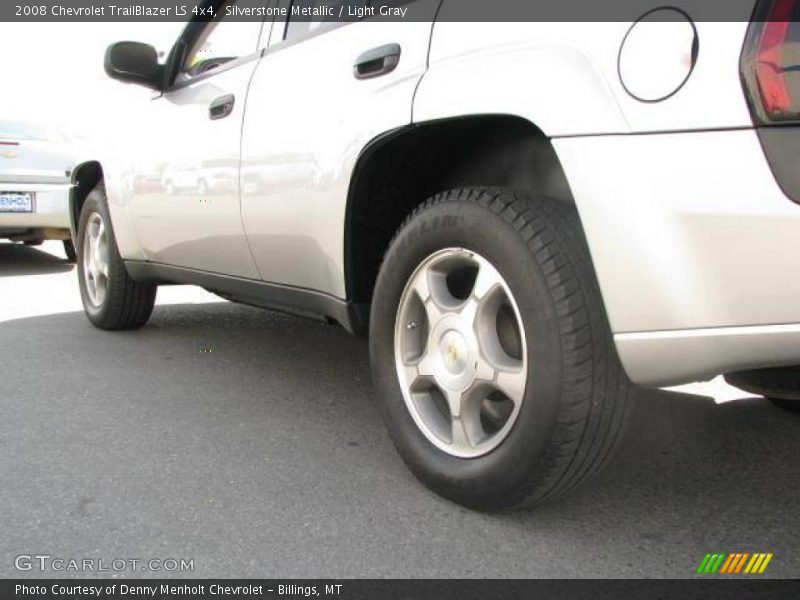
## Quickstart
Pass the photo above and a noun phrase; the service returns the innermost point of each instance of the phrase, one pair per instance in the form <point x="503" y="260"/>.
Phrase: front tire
<point x="69" y="251"/>
<point x="509" y="318"/>
<point x="111" y="299"/>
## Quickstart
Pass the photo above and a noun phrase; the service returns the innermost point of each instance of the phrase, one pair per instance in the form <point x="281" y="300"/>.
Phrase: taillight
<point x="771" y="62"/>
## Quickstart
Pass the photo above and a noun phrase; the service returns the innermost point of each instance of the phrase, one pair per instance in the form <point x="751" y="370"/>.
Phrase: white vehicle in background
<point x="36" y="163"/>
<point x="523" y="217"/>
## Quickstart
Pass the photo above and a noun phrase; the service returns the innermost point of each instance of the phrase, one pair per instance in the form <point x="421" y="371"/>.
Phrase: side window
<point x="221" y="41"/>
<point x="313" y="12"/>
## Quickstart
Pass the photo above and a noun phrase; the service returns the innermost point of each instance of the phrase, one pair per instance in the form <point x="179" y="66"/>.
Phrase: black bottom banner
<point x="405" y="589"/>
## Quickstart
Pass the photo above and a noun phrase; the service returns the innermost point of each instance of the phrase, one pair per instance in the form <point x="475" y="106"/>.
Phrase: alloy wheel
<point x="460" y="353"/>
<point x="96" y="259"/>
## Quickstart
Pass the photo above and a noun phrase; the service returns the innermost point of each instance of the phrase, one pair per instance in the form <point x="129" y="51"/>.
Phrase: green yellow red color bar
<point x="734" y="563"/>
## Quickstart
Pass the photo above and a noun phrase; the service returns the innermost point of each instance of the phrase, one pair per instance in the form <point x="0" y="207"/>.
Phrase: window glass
<point x="220" y="42"/>
<point x="298" y="26"/>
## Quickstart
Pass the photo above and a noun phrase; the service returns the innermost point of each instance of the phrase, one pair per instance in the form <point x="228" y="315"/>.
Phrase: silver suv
<point x="523" y="218"/>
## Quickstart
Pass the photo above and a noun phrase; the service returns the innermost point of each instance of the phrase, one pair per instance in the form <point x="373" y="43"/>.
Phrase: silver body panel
<point x="694" y="244"/>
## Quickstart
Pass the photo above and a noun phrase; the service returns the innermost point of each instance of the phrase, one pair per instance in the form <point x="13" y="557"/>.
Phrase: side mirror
<point x="134" y="62"/>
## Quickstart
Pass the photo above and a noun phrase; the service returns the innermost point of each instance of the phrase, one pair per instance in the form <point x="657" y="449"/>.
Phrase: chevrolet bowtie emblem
<point x="452" y="354"/>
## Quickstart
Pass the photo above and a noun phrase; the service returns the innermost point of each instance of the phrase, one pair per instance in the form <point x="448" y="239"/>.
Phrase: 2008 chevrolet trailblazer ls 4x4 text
<point x="523" y="218"/>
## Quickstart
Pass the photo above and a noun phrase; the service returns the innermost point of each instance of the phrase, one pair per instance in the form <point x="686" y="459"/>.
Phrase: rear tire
<point x="790" y="405"/>
<point x="780" y="385"/>
<point x="575" y="398"/>
<point x="111" y="299"/>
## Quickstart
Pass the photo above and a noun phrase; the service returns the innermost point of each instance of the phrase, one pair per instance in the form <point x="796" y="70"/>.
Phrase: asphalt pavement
<point x="249" y="442"/>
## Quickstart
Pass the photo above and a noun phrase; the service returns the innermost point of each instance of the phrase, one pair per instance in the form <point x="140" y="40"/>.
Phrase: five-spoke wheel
<point x="460" y="352"/>
<point x="95" y="259"/>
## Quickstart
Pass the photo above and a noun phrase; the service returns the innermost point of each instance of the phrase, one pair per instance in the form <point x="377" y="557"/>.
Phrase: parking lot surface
<point x="249" y="442"/>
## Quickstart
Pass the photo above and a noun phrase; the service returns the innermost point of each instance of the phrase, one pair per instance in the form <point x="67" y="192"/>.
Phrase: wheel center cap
<point x="454" y="352"/>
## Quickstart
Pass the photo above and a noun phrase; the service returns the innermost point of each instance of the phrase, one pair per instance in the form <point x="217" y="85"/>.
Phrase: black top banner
<point x="69" y="11"/>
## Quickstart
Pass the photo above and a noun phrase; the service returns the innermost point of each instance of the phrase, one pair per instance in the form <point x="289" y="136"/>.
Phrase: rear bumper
<point x="696" y="248"/>
<point x="50" y="210"/>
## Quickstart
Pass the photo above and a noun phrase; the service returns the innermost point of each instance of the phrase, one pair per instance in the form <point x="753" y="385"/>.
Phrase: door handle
<point x="376" y="62"/>
<point x="221" y="107"/>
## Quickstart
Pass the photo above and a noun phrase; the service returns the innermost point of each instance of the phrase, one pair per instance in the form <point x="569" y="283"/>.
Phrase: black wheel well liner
<point x="399" y="170"/>
<point x="84" y="179"/>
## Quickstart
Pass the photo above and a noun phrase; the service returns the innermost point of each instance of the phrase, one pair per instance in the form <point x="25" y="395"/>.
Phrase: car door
<point x="193" y="134"/>
<point x="311" y="111"/>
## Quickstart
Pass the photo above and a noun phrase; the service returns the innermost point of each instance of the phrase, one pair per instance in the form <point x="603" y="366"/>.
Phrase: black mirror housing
<point x="134" y="62"/>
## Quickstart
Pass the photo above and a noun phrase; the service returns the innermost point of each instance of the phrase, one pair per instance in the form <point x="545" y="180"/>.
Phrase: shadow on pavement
<point x="19" y="259"/>
<point x="227" y="433"/>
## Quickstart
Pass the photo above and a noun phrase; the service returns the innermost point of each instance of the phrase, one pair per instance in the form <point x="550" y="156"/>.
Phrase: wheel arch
<point x="84" y="179"/>
<point x="400" y="169"/>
